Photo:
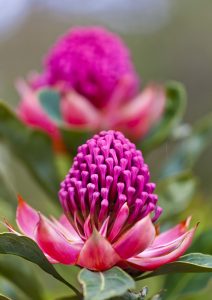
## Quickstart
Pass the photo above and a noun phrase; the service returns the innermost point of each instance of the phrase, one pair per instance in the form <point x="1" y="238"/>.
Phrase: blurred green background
<point x="168" y="39"/>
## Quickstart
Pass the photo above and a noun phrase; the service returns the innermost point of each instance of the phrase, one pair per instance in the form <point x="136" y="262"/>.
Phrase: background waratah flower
<point x="98" y="85"/>
<point x="109" y="212"/>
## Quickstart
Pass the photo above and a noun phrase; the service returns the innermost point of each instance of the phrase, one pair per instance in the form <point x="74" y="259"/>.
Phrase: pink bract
<point x="109" y="209"/>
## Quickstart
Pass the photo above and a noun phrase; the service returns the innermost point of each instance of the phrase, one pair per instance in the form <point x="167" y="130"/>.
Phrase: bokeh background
<point x="169" y="39"/>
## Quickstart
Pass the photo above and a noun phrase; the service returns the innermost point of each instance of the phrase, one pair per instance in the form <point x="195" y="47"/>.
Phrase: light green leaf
<point x="32" y="147"/>
<point x="50" y="101"/>
<point x="189" y="263"/>
<point x="174" y="111"/>
<point x="175" y="193"/>
<point x="26" y="248"/>
<point x="105" y="285"/>
<point x="2" y="297"/>
<point x="22" y="277"/>
<point x="191" y="148"/>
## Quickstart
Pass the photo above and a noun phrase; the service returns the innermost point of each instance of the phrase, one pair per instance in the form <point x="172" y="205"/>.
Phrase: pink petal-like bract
<point x="98" y="253"/>
<point x="78" y="111"/>
<point x="109" y="209"/>
<point x="139" y="237"/>
<point x="27" y="218"/>
<point x="151" y="260"/>
<point x="31" y="112"/>
<point x="139" y="115"/>
<point x="55" y="244"/>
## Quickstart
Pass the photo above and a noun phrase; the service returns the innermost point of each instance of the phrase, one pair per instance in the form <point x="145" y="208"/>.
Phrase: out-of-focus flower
<point x="109" y="212"/>
<point x="92" y="70"/>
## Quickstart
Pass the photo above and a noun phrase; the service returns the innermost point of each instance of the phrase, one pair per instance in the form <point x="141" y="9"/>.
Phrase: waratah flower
<point x="109" y="212"/>
<point x="92" y="70"/>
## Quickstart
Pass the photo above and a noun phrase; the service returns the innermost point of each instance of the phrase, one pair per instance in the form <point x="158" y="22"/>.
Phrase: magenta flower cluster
<point x="91" y="60"/>
<point x="108" y="181"/>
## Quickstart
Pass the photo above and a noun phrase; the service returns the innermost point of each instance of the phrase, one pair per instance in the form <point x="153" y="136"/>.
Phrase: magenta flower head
<point x="91" y="60"/>
<point x="109" y="212"/>
<point x="92" y="70"/>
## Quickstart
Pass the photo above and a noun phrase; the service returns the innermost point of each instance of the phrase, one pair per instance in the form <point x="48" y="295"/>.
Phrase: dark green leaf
<point x="191" y="148"/>
<point x="184" y="283"/>
<point x="26" y="248"/>
<point x="50" y="101"/>
<point x="32" y="147"/>
<point x="175" y="108"/>
<point x="200" y="295"/>
<point x="203" y="243"/>
<point x="105" y="285"/>
<point x="22" y="277"/>
<point x="189" y="263"/>
<point x="175" y="193"/>
<point x="74" y="137"/>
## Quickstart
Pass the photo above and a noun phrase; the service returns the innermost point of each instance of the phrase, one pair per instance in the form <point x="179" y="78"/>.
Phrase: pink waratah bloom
<point x="109" y="212"/>
<point x="92" y="70"/>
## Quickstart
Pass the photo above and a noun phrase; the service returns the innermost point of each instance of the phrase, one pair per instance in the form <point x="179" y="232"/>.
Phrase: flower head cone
<point x="93" y="72"/>
<point x="109" y="212"/>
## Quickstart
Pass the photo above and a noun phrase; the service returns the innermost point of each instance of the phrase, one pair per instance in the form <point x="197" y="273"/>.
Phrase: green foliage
<point x="74" y="137"/>
<point x="50" y="101"/>
<point x="105" y="285"/>
<point x="203" y="243"/>
<point x="174" y="111"/>
<point x="26" y="248"/>
<point x="204" y="293"/>
<point x="32" y="147"/>
<point x="191" y="148"/>
<point x="22" y="277"/>
<point x="175" y="193"/>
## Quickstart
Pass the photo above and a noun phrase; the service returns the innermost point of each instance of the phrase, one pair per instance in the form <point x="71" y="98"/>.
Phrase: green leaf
<point x="74" y="137"/>
<point x="191" y="148"/>
<point x="50" y="101"/>
<point x="22" y="277"/>
<point x="203" y="243"/>
<point x="69" y="298"/>
<point x="174" y="111"/>
<point x="32" y="147"/>
<point x="2" y="297"/>
<point x="26" y="248"/>
<point x="202" y="294"/>
<point x="189" y="263"/>
<point x="184" y="283"/>
<point x="105" y="285"/>
<point x="175" y="193"/>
